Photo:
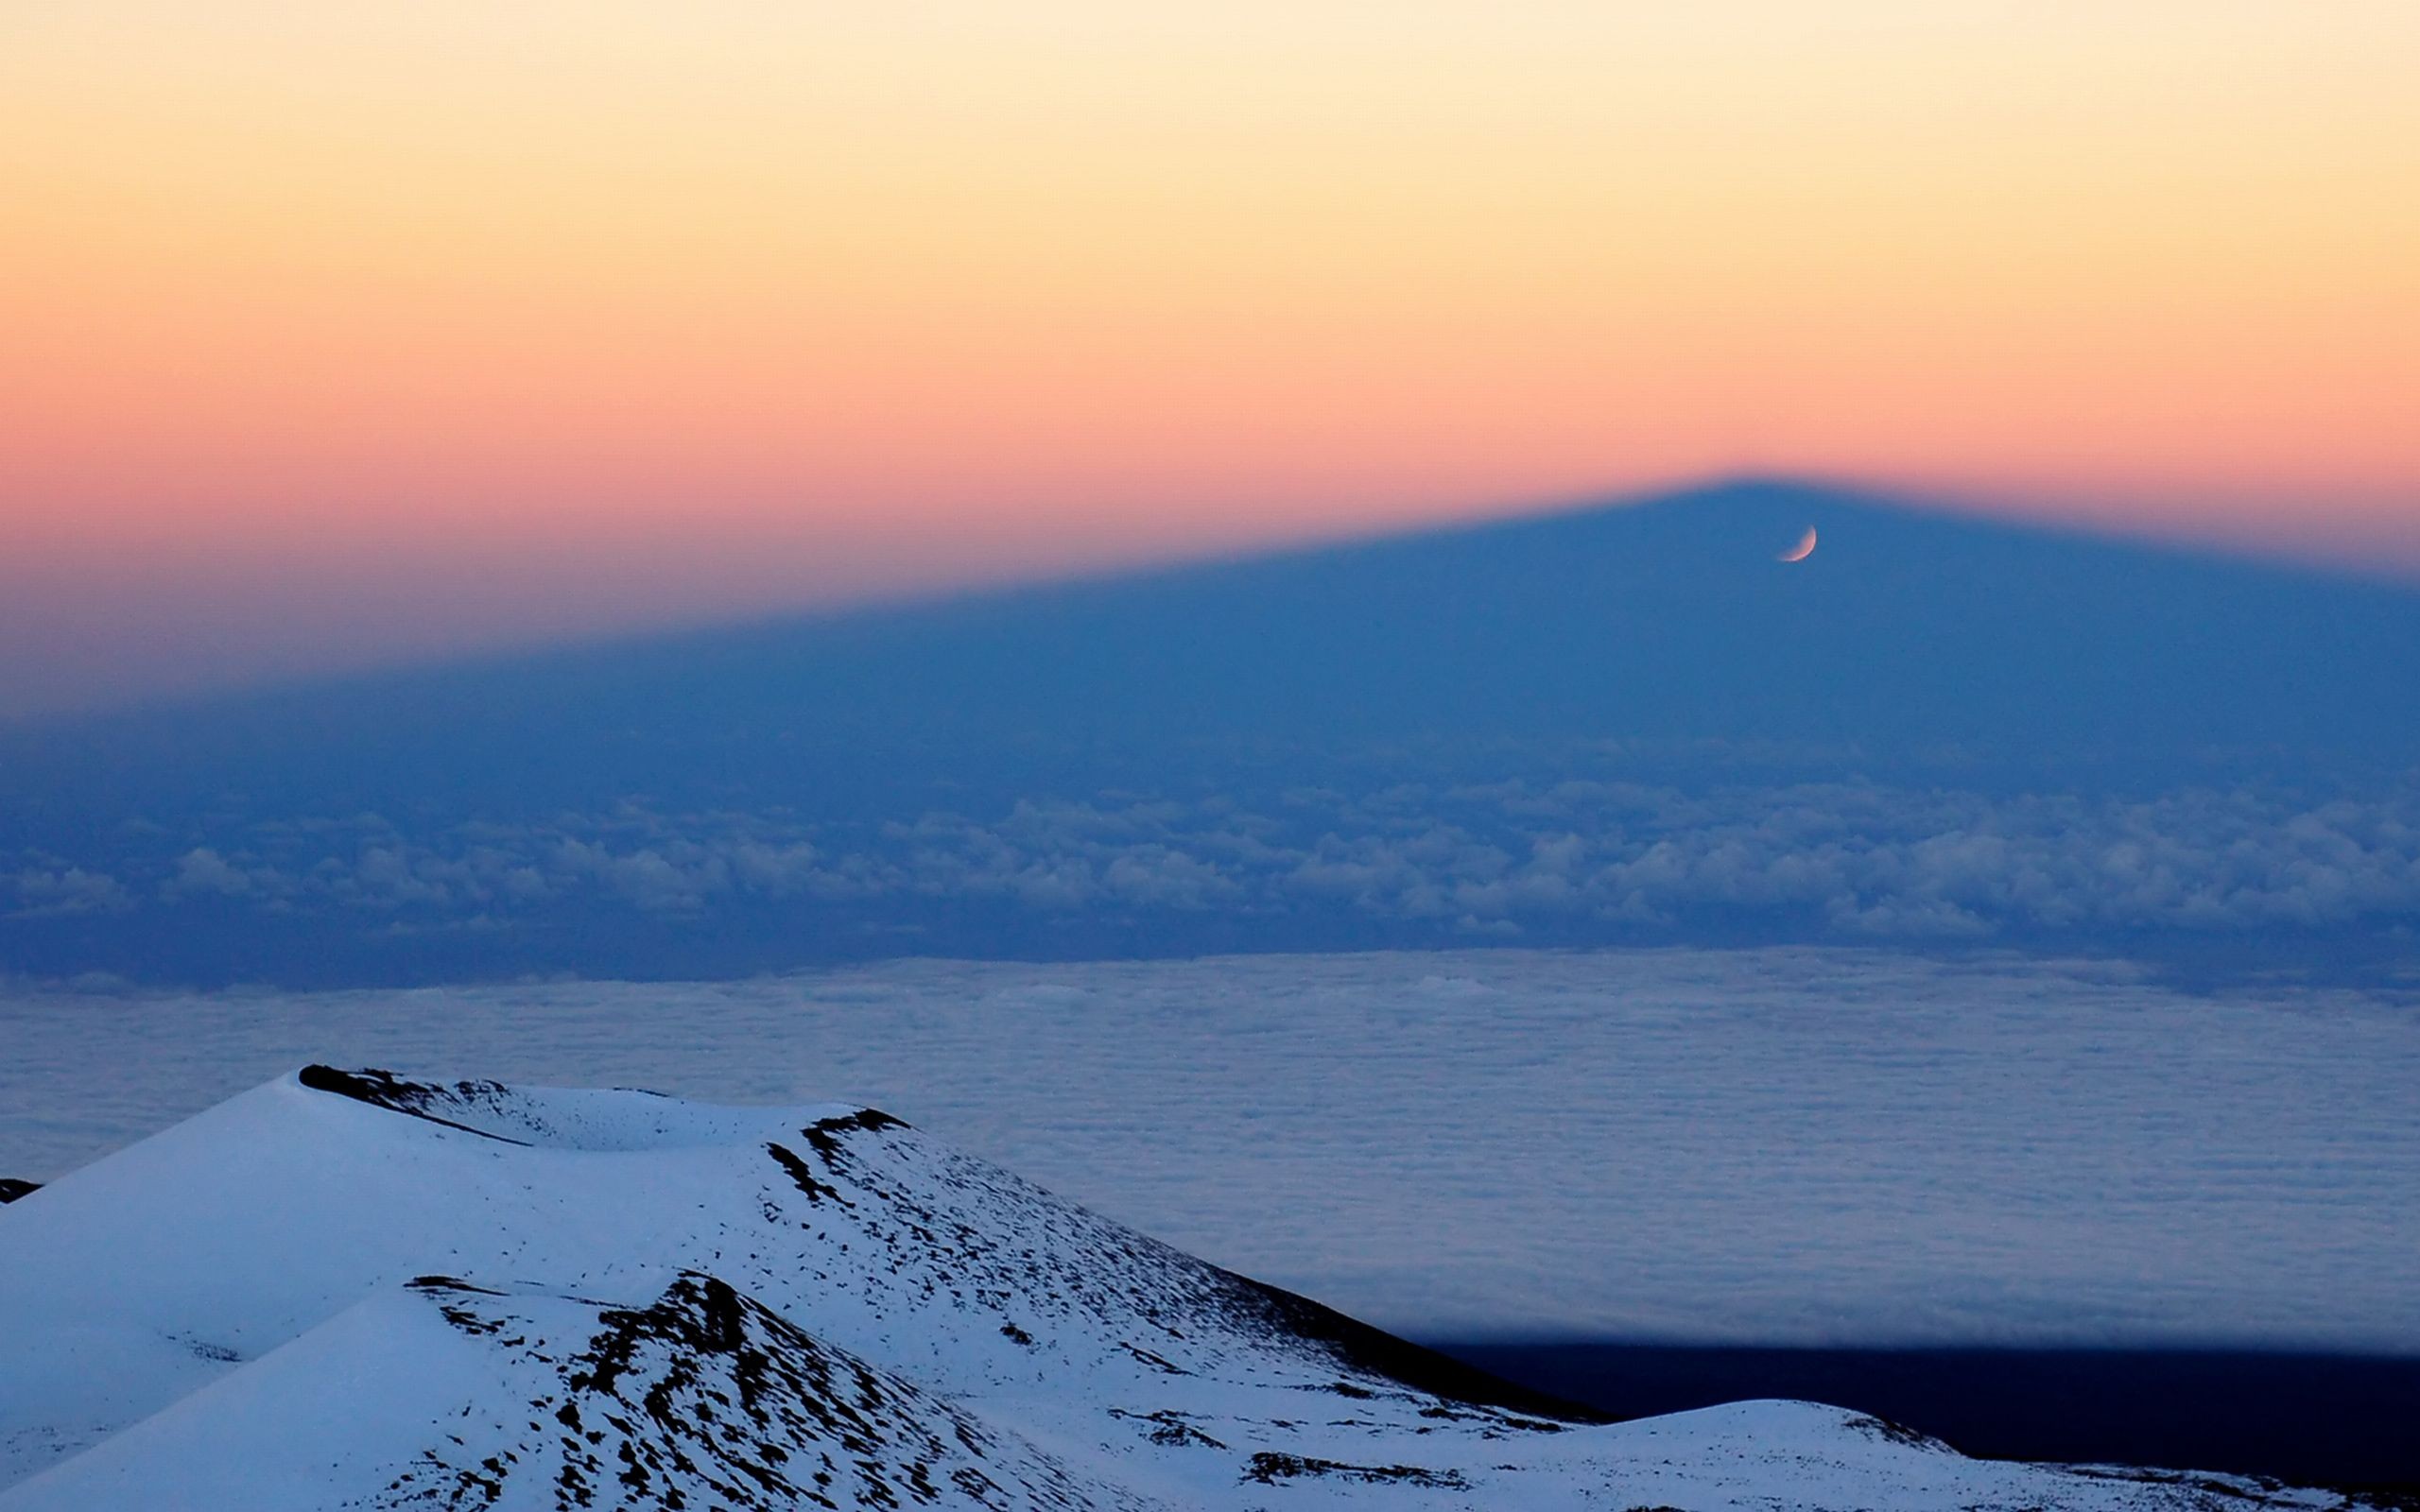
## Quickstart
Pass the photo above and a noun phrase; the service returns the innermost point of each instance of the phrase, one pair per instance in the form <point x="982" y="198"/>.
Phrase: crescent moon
<point x="1805" y="548"/>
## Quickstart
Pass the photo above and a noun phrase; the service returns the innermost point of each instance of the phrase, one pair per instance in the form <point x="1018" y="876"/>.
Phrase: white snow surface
<point x="1789" y="1145"/>
<point x="343" y="1290"/>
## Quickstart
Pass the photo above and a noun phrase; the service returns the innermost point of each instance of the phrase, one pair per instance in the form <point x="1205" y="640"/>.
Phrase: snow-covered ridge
<point x="349" y="1288"/>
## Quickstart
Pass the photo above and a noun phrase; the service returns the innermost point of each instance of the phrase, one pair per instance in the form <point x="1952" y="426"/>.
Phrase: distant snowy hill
<point x="343" y="1289"/>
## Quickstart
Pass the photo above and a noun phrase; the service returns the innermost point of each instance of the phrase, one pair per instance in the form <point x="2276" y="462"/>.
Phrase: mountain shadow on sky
<point x="1906" y="632"/>
<point x="1659" y="640"/>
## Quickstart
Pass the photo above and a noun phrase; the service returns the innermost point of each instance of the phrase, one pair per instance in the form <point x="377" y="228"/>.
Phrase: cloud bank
<point x="1816" y="1145"/>
<point x="1847" y="860"/>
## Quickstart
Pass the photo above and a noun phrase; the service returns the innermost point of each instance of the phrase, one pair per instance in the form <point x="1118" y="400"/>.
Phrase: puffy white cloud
<point x="1157" y="876"/>
<point x="1574" y="859"/>
<point x="203" y="872"/>
<point x="42" y="892"/>
<point x="680" y="882"/>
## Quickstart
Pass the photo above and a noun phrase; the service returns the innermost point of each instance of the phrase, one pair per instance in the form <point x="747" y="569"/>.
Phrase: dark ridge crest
<point x="449" y="1283"/>
<point x="384" y="1088"/>
<point x="1374" y="1352"/>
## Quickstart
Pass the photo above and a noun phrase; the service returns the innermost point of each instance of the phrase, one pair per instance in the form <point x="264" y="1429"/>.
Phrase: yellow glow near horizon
<point x="937" y="291"/>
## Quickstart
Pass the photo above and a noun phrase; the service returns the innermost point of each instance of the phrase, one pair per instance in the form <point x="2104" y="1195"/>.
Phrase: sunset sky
<point x="341" y="333"/>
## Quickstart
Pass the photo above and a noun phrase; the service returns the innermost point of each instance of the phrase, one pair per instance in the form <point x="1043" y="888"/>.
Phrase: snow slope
<point x="342" y="1289"/>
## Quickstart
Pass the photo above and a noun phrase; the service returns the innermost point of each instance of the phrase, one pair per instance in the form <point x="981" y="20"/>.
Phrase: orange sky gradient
<point x="335" y="333"/>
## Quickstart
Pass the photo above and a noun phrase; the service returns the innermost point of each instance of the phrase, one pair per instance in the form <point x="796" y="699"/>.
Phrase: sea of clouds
<point x="1548" y="861"/>
<point x="1807" y="1144"/>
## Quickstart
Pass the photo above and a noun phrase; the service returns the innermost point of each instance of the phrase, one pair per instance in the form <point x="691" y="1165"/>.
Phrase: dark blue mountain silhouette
<point x="1669" y="620"/>
<point x="1658" y="643"/>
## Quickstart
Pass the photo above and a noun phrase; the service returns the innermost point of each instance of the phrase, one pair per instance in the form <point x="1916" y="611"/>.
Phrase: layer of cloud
<point x="48" y="892"/>
<point x="1847" y="860"/>
<point x="1838" y="1145"/>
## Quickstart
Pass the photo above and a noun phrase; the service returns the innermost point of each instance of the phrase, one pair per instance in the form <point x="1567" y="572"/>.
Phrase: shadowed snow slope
<point x="343" y="1288"/>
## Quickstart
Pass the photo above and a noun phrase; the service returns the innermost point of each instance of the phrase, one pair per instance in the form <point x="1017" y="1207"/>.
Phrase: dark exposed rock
<point x="384" y="1088"/>
<point x="1269" y="1468"/>
<point x="703" y="1397"/>
<point x="823" y="1134"/>
<point x="1897" y="1433"/>
<point x="803" y="1176"/>
<point x="1374" y="1352"/>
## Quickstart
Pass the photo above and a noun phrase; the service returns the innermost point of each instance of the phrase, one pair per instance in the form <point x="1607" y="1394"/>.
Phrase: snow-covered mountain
<point x="348" y="1289"/>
